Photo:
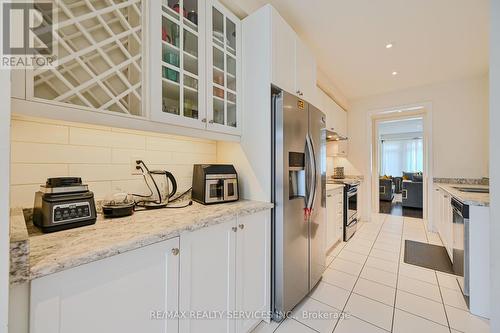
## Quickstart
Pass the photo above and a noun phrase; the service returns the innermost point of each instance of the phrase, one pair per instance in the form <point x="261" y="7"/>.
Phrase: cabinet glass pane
<point x="170" y="32"/>
<point x="218" y="106"/>
<point x="190" y="99"/>
<point x="170" y="74"/>
<point x="218" y="27"/>
<point x="191" y="10"/>
<point x="231" y="73"/>
<point x="231" y="36"/>
<point x="218" y="70"/>
<point x="190" y="52"/>
<point x="170" y="55"/>
<point x="231" y="110"/>
<point x="190" y="82"/>
<point x="171" y="97"/>
<point x="171" y="7"/>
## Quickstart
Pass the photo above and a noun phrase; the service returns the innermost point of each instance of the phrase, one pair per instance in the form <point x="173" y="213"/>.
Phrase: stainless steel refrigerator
<point x="298" y="191"/>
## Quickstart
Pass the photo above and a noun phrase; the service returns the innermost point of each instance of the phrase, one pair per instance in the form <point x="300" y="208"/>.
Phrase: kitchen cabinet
<point x="443" y="215"/>
<point x="100" y="60"/>
<point x="305" y="72"/>
<point x="337" y="148"/>
<point x="200" y="66"/>
<point x="223" y="69"/>
<point x="253" y="267"/>
<point x="335" y="217"/>
<point x="226" y="268"/>
<point x="116" y="294"/>
<point x="169" y="66"/>
<point x="336" y="117"/>
<point x="293" y="64"/>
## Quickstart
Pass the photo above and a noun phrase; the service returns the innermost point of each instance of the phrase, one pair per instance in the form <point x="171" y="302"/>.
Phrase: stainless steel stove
<point x="350" y="205"/>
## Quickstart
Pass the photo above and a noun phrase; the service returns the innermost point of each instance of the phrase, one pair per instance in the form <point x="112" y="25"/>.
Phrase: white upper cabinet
<point x="223" y="69"/>
<point x="336" y="117"/>
<point x="305" y="72"/>
<point x="200" y="66"/>
<point x="283" y="45"/>
<point x="170" y="66"/>
<point x="181" y="67"/>
<point x="99" y="48"/>
<point x="293" y="64"/>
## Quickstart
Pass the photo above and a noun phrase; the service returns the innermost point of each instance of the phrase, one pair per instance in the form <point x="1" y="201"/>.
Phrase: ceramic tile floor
<point x="368" y="288"/>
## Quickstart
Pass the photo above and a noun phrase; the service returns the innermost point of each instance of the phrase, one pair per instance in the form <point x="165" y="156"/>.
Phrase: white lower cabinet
<point x="443" y="215"/>
<point x="186" y="284"/>
<point x="116" y="294"/>
<point x="335" y="216"/>
<point x="225" y="271"/>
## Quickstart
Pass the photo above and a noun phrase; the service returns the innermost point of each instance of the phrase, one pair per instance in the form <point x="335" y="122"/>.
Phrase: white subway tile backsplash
<point x="23" y="174"/>
<point x="43" y="148"/>
<point x="36" y="132"/>
<point x="94" y="137"/>
<point x="96" y="172"/>
<point x="23" y="195"/>
<point x="30" y="152"/>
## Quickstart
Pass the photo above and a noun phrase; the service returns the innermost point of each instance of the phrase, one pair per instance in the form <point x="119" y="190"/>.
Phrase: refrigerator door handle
<point x="315" y="173"/>
<point x="311" y="175"/>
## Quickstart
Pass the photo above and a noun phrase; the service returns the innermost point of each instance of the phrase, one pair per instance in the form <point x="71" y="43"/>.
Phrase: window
<point x="398" y="155"/>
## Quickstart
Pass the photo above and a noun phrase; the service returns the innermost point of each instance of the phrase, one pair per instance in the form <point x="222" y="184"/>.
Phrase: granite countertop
<point x="471" y="199"/>
<point x="50" y="253"/>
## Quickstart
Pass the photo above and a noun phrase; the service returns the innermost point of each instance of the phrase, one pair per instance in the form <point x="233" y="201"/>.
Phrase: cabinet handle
<point x="210" y="121"/>
<point x="234" y="229"/>
<point x="175" y="251"/>
<point x="329" y="195"/>
<point x="204" y="120"/>
<point x="242" y="226"/>
<point x="300" y="93"/>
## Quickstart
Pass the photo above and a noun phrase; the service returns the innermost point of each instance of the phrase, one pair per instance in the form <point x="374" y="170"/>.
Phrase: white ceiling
<point x="415" y="125"/>
<point x="434" y="40"/>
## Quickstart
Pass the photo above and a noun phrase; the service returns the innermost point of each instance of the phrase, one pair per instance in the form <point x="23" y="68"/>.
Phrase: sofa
<point x="412" y="190"/>
<point x="386" y="192"/>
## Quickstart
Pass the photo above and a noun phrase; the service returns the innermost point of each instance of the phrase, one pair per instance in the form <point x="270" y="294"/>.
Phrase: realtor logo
<point x="27" y="34"/>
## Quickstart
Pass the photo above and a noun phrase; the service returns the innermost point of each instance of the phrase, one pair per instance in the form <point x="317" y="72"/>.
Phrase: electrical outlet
<point x="134" y="165"/>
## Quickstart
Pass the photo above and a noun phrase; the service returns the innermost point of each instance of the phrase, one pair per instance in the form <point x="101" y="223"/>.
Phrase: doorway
<point x="400" y="167"/>
<point x="404" y="130"/>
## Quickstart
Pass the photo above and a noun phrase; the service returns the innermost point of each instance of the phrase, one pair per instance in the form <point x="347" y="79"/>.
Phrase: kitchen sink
<point x="473" y="189"/>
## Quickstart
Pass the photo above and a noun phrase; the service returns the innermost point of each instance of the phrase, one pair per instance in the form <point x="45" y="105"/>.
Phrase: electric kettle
<point x="162" y="187"/>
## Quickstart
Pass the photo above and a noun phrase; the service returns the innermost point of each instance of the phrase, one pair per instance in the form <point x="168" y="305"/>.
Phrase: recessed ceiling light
<point x="394" y="73"/>
<point x="389" y="46"/>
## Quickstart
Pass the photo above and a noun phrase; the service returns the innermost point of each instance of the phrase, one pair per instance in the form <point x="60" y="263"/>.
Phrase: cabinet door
<point x="331" y="219"/>
<point x="223" y="69"/>
<point x="436" y="210"/>
<point x="339" y="220"/>
<point x="253" y="268"/>
<point x="100" y="64"/>
<point x="117" y="294"/>
<point x="181" y="69"/>
<point x="207" y="278"/>
<point x="283" y="45"/>
<point x="305" y="71"/>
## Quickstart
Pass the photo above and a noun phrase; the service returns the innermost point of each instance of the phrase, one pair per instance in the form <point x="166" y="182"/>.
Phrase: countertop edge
<point x="137" y="243"/>
<point x="18" y="248"/>
<point x="446" y="187"/>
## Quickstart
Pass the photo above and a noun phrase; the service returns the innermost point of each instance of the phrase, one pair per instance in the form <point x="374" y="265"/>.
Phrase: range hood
<point x="334" y="136"/>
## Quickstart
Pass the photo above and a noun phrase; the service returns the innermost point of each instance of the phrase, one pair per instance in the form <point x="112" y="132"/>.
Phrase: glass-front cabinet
<point x="182" y="62"/>
<point x="223" y="69"/>
<point x="199" y="66"/>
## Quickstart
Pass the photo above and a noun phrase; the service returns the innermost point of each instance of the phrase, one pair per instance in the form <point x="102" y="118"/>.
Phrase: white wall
<point x="495" y="164"/>
<point x="4" y="196"/>
<point x="459" y="127"/>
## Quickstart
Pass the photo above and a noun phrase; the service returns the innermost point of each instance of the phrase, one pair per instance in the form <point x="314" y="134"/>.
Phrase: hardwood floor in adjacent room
<point x="396" y="208"/>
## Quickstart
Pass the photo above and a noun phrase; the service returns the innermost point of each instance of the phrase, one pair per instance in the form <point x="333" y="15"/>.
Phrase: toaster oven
<point x="214" y="183"/>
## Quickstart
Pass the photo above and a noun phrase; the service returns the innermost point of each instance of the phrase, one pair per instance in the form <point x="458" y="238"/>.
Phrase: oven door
<point x="214" y="191"/>
<point x="352" y="204"/>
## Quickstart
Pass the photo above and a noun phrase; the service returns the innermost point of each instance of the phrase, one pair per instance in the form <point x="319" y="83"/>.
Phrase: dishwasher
<point x="461" y="245"/>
